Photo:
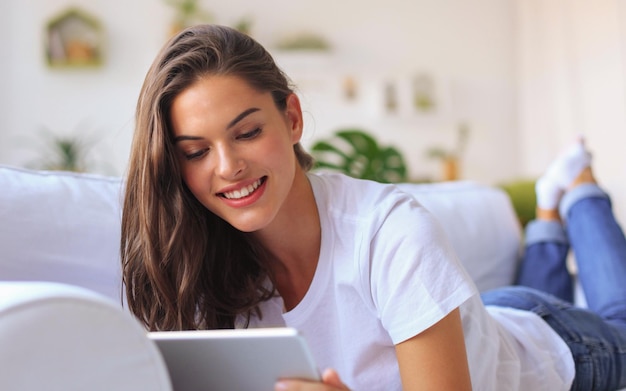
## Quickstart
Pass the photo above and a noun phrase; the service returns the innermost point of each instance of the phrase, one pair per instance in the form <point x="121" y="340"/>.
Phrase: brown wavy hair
<point x="184" y="267"/>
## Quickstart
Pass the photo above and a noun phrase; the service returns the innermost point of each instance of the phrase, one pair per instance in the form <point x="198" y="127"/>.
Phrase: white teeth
<point x="244" y="192"/>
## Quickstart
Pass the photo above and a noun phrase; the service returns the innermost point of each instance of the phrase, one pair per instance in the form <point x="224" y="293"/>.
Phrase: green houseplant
<point x="356" y="153"/>
<point x="188" y="13"/>
<point x="63" y="152"/>
<point x="66" y="154"/>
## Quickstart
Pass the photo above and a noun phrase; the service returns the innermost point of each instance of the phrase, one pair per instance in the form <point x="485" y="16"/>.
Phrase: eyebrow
<point x="232" y="123"/>
<point x="242" y="116"/>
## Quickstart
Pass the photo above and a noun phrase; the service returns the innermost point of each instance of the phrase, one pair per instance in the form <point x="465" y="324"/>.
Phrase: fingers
<point x="331" y="378"/>
<point x="301" y="385"/>
<point x="330" y="382"/>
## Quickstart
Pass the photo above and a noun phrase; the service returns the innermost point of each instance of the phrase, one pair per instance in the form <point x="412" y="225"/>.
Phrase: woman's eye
<point x="195" y="155"/>
<point x="250" y="134"/>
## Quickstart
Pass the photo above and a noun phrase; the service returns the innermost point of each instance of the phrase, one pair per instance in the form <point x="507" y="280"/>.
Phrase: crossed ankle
<point x="547" y="214"/>
<point x="585" y="177"/>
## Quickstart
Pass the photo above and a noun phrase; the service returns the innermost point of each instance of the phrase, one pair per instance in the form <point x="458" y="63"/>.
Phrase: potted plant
<point x="356" y="153"/>
<point x="450" y="157"/>
<point x="64" y="152"/>
<point x="188" y="13"/>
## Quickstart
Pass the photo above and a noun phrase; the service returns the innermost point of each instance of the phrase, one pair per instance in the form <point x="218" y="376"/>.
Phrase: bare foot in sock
<point x="567" y="170"/>
<point x="548" y="193"/>
<point x="568" y="166"/>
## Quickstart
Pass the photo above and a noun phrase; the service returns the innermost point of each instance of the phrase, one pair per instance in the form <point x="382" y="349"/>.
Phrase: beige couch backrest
<point x="65" y="227"/>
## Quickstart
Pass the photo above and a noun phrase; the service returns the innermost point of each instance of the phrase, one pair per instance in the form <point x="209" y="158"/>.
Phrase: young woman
<point x="223" y="226"/>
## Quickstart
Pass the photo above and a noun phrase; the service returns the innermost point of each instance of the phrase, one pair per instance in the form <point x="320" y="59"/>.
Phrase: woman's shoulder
<point x="367" y="203"/>
<point x="340" y="188"/>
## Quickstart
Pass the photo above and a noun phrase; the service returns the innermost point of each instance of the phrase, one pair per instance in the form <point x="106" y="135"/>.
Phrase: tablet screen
<point x="232" y="360"/>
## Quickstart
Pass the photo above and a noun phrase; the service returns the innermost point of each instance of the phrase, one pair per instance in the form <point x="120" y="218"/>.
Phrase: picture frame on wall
<point x="74" y="39"/>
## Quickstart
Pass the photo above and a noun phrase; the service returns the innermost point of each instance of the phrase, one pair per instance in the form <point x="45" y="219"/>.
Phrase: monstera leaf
<point x="356" y="153"/>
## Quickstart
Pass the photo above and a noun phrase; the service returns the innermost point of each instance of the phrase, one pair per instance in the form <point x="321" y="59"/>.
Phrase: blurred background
<point x="499" y="85"/>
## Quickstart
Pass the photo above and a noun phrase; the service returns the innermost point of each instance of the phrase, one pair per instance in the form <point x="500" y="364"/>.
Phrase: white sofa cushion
<point x="60" y="337"/>
<point x="62" y="227"/>
<point x="481" y="223"/>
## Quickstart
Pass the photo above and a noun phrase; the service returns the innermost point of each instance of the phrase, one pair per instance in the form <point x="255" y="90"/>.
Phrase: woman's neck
<point x="293" y="242"/>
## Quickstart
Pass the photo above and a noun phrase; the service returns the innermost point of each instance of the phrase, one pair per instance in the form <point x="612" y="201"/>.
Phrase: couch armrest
<point x="60" y="337"/>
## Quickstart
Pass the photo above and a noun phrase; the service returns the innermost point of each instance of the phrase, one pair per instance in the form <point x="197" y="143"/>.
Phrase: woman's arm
<point x="432" y="360"/>
<point x="435" y="359"/>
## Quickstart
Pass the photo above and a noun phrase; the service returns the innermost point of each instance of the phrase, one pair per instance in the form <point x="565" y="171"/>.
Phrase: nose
<point x="228" y="163"/>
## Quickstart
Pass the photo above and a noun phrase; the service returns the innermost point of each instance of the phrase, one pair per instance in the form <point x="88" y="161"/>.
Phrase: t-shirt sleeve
<point x="414" y="275"/>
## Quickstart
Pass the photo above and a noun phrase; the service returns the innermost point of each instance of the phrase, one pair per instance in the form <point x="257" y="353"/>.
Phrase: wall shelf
<point x="74" y="39"/>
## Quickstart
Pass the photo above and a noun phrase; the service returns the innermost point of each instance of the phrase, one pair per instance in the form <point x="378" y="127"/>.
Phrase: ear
<point x="293" y="112"/>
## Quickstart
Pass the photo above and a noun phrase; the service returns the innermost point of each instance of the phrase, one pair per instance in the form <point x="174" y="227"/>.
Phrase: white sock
<point x="560" y="174"/>
<point x="569" y="164"/>
<point x="548" y="193"/>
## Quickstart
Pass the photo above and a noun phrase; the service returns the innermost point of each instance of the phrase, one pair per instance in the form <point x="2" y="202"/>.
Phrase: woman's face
<point x="236" y="149"/>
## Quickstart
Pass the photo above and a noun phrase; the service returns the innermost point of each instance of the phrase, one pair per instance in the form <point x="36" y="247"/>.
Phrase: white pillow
<point x="481" y="224"/>
<point x="62" y="227"/>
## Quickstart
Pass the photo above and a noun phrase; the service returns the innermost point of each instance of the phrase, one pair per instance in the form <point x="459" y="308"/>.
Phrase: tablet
<point x="234" y="360"/>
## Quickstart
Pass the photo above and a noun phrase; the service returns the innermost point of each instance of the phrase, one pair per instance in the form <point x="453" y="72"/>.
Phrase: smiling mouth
<point x="244" y="192"/>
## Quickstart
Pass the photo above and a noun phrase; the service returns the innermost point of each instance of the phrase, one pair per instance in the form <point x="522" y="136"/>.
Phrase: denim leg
<point x="600" y="249"/>
<point x="598" y="347"/>
<point x="543" y="265"/>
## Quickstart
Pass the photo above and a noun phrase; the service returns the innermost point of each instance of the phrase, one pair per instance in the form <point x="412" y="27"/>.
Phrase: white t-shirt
<point x="386" y="272"/>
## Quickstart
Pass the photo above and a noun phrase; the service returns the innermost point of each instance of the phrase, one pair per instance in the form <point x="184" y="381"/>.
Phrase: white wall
<point x="468" y="46"/>
<point x="97" y="102"/>
<point x="573" y="81"/>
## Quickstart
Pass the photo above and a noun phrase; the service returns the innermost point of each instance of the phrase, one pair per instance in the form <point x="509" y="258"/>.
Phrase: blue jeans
<point x="597" y="335"/>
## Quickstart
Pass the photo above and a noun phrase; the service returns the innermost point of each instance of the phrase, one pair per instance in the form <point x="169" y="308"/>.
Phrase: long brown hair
<point x="183" y="267"/>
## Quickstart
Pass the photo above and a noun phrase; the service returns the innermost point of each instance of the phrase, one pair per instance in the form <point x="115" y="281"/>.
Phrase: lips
<point x="244" y="191"/>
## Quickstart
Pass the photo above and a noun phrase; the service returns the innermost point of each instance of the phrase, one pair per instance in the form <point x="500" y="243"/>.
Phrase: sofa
<point x="63" y="325"/>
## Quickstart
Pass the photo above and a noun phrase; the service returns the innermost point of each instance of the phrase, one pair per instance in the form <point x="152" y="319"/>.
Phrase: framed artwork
<point x="74" y="39"/>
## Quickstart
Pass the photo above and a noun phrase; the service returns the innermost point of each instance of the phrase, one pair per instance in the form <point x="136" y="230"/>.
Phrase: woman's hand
<point x="330" y="381"/>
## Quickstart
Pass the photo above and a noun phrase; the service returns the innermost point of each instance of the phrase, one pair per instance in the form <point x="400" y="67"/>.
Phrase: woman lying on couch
<point x="224" y="226"/>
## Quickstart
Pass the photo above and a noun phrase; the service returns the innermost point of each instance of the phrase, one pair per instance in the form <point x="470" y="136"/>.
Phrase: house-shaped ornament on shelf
<point x="74" y="39"/>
